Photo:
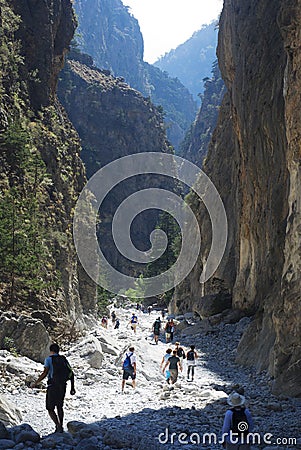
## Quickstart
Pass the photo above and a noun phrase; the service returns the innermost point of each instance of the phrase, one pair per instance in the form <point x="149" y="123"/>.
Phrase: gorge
<point x="62" y="117"/>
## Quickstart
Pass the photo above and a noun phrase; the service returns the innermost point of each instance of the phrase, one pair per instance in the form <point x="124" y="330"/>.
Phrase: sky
<point x="165" y="24"/>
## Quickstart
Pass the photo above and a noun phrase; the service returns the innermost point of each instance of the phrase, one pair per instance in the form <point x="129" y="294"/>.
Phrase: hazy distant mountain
<point x="192" y="61"/>
<point x="111" y="35"/>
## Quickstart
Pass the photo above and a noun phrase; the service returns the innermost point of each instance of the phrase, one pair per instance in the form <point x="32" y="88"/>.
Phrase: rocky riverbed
<point x="155" y="415"/>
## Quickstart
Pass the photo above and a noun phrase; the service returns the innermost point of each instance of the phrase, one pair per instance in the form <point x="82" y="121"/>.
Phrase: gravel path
<point x="148" y="416"/>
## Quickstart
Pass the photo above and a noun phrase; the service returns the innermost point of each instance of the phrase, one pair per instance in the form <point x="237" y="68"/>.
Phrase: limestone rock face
<point x="38" y="35"/>
<point x="253" y="161"/>
<point x="113" y="120"/>
<point x="111" y="35"/>
<point x="45" y="32"/>
<point x="28" y="335"/>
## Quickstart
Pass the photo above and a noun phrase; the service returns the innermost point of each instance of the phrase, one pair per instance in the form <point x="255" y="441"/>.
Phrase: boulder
<point x="89" y="349"/>
<point x="90" y="443"/>
<point x="24" y="433"/>
<point x="18" y="365"/>
<point x="4" y="434"/>
<point x="6" y="443"/>
<point x="117" y="438"/>
<point x="9" y="413"/>
<point x="108" y="345"/>
<point x="28" y="335"/>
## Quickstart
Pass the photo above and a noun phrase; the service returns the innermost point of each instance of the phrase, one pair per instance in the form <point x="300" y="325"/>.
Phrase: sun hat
<point x="236" y="399"/>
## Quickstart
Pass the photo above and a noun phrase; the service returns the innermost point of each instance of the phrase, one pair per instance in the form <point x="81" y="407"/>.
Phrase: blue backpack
<point x="127" y="362"/>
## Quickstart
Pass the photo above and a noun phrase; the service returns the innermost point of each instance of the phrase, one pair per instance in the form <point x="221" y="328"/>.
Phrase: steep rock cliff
<point x="196" y="143"/>
<point x="42" y="173"/>
<point x="113" y="120"/>
<point x="259" y="57"/>
<point x="111" y="35"/>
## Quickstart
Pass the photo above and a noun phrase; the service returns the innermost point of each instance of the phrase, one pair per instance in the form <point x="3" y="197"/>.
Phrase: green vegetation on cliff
<point x="41" y="172"/>
<point x="191" y="61"/>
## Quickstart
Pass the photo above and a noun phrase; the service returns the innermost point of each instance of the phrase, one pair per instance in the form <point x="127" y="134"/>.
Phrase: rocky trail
<point x="155" y="415"/>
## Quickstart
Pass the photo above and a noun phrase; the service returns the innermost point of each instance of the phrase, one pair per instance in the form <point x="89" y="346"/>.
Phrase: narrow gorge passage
<point x="154" y="407"/>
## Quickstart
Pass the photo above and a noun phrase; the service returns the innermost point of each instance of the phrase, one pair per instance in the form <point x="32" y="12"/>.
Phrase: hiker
<point x="129" y="368"/>
<point x="134" y="322"/>
<point x="157" y="329"/>
<point x="237" y="424"/>
<point x="174" y="365"/>
<point x="59" y="371"/>
<point x="191" y="361"/>
<point x="172" y="329"/>
<point x="164" y="360"/>
<point x="180" y="352"/>
<point x="163" y="314"/>
<point x="113" y="317"/>
<point x="167" y="332"/>
<point x="104" y="322"/>
<point x="149" y="309"/>
<point x="117" y="323"/>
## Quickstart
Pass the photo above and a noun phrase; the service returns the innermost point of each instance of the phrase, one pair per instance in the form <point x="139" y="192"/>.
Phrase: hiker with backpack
<point x="134" y="322"/>
<point x="129" y="368"/>
<point x="174" y="365"/>
<point x="238" y="423"/>
<point x="180" y="352"/>
<point x="157" y="329"/>
<point x="191" y="357"/>
<point x="59" y="371"/>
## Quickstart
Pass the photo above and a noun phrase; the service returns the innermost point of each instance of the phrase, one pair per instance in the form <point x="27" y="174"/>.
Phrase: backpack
<point x="238" y="417"/>
<point x="157" y="325"/>
<point x="127" y="365"/>
<point x="181" y="353"/>
<point x="62" y="371"/>
<point x="134" y="319"/>
<point x="190" y="355"/>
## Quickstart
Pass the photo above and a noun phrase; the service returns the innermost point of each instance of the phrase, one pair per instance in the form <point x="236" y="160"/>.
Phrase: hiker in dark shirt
<point x="191" y="362"/>
<point x="157" y="329"/>
<point x="174" y="365"/>
<point x="56" y="387"/>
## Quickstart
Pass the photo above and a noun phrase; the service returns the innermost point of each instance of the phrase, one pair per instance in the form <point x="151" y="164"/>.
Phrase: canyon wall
<point x="253" y="161"/>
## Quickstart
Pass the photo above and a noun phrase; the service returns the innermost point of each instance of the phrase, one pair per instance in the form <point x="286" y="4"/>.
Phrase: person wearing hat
<point x="238" y="423"/>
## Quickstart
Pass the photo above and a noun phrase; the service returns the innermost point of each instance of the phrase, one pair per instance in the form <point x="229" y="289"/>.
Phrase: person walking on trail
<point x="238" y="423"/>
<point x="174" y="365"/>
<point x="134" y="322"/>
<point x="172" y="329"/>
<point x="117" y="323"/>
<point x="149" y="309"/>
<point x="157" y="329"/>
<point x="168" y="332"/>
<point x="180" y="352"/>
<point x="129" y="368"/>
<point x="104" y="322"/>
<point x="113" y="317"/>
<point x="191" y="356"/>
<point x="59" y="372"/>
<point x="163" y="362"/>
